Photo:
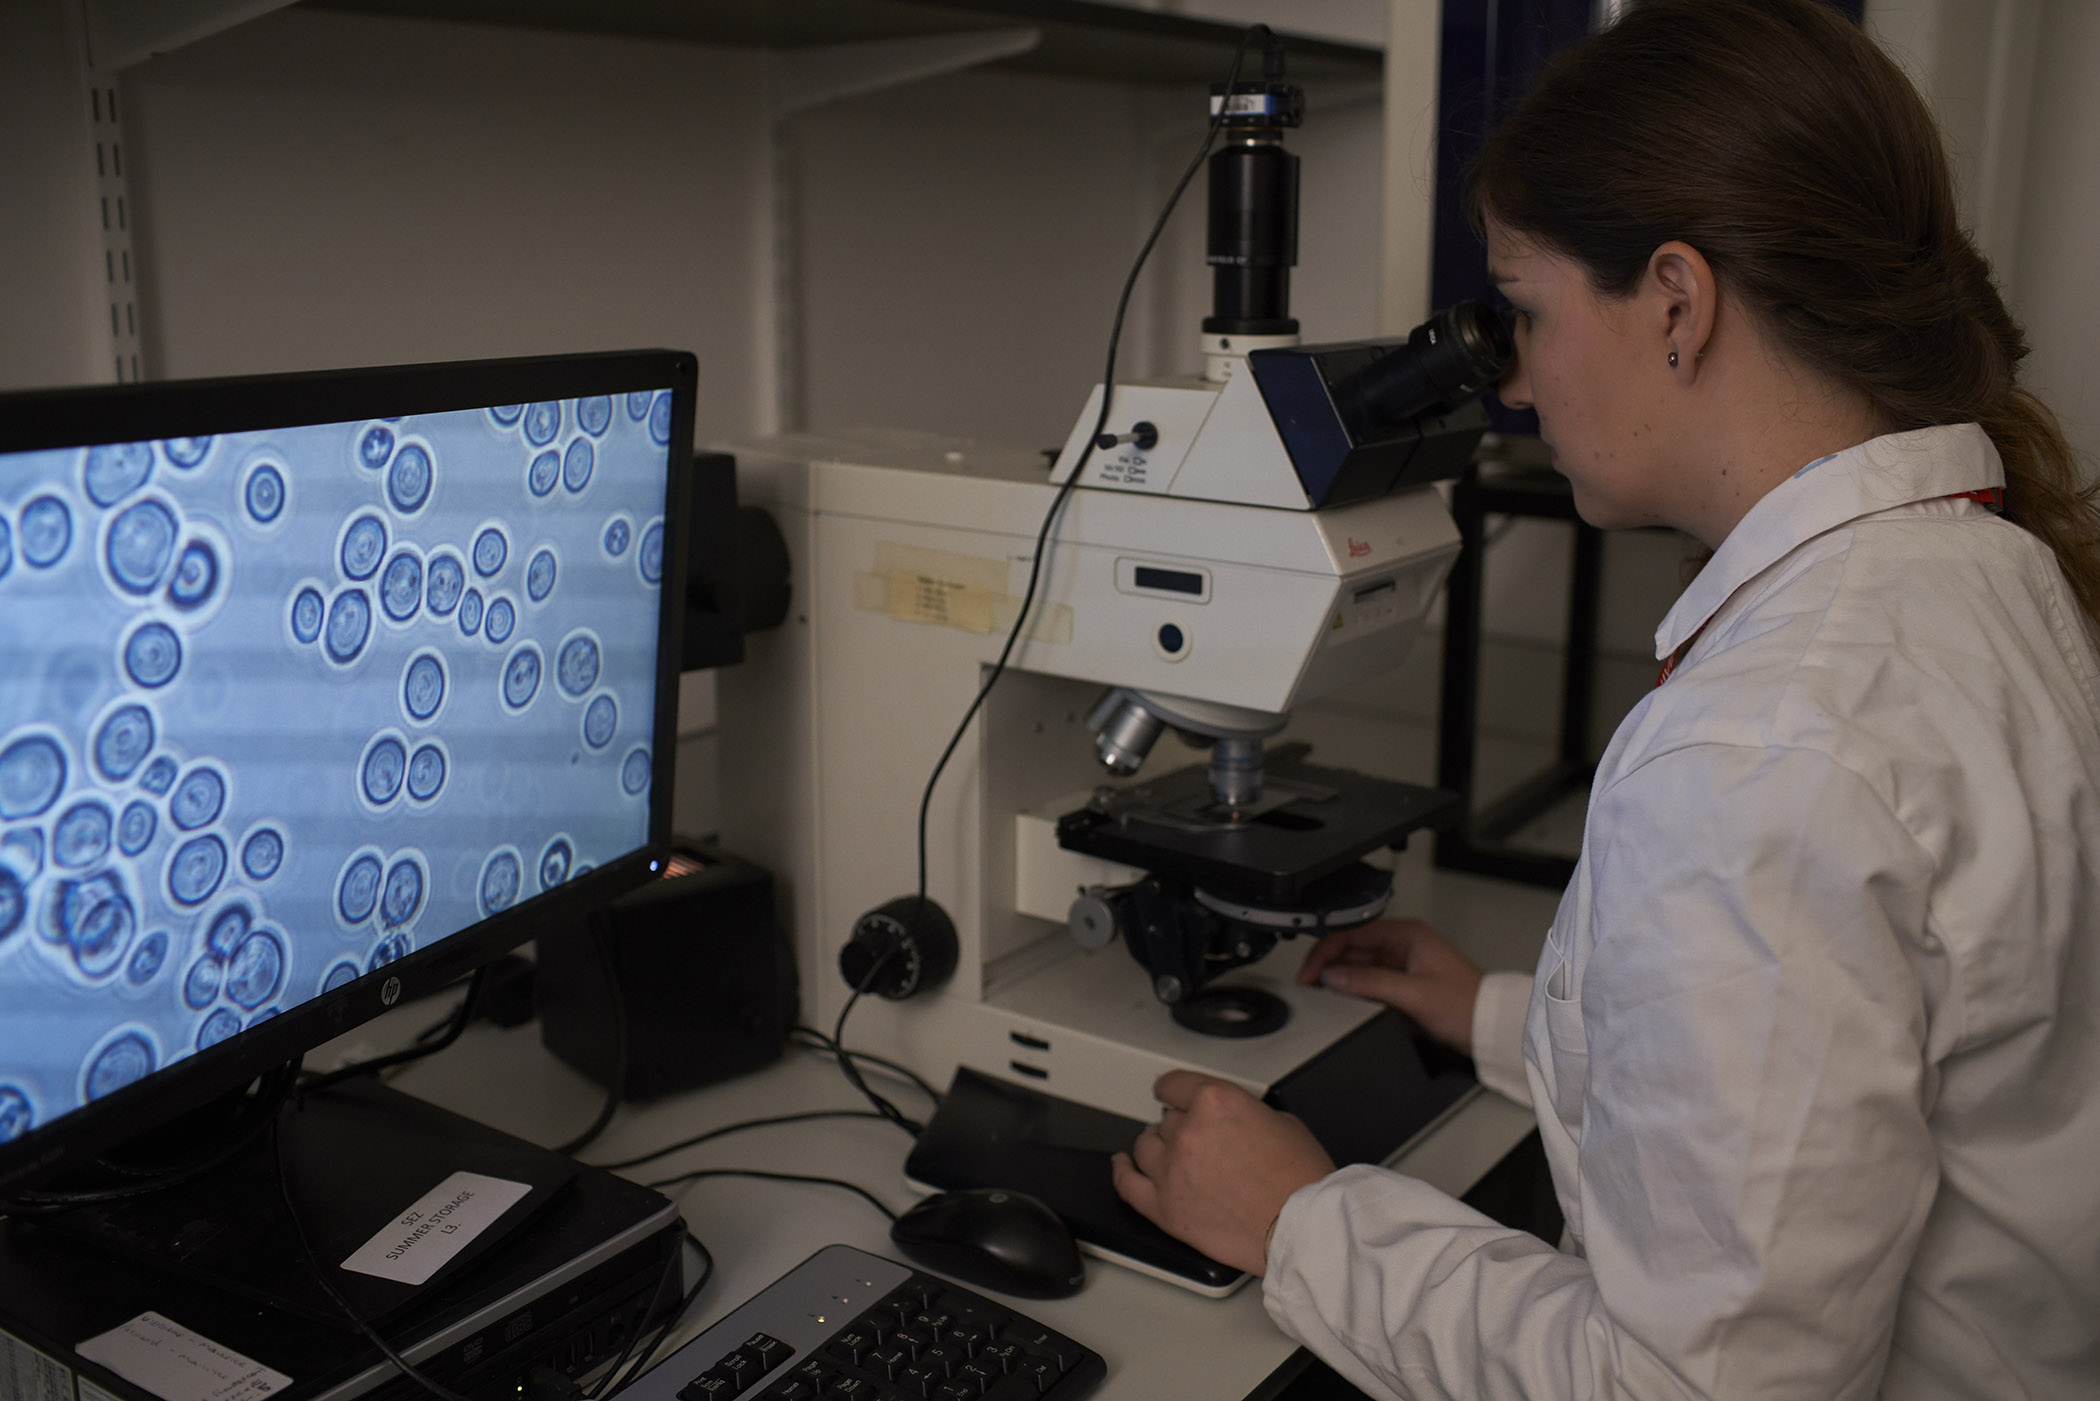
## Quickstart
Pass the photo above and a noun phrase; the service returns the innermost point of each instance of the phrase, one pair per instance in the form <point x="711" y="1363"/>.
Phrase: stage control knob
<point x="907" y="946"/>
<point x="1092" y="919"/>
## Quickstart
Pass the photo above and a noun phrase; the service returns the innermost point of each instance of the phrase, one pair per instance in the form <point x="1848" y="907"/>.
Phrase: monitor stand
<point x="357" y="1158"/>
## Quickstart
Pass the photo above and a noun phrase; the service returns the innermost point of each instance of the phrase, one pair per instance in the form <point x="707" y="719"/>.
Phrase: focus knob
<point x="908" y="946"/>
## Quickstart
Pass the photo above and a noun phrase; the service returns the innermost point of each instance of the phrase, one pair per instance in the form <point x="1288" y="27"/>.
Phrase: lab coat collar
<point x="1877" y="475"/>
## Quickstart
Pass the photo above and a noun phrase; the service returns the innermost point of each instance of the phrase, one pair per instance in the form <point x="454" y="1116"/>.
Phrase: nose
<point x="1514" y="389"/>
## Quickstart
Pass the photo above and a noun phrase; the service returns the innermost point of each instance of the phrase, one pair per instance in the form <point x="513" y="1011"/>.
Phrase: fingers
<point x="1387" y="942"/>
<point x="1177" y="1089"/>
<point x="1149" y="1152"/>
<point x="1404" y="991"/>
<point x="1134" y="1187"/>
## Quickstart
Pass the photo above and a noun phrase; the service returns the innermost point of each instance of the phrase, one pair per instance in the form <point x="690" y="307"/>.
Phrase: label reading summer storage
<point x="421" y="1240"/>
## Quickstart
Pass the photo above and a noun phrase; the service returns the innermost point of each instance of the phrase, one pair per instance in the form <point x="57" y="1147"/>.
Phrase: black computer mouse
<point x="995" y="1239"/>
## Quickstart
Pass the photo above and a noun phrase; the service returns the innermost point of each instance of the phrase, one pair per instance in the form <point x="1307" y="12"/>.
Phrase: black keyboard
<point x="848" y="1325"/>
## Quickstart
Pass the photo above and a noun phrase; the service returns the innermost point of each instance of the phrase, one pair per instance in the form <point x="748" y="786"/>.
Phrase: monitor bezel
<point x="88" y="416"/>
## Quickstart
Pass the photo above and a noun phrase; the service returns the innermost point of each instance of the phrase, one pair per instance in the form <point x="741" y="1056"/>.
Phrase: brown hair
<point x="1776" y="139"/>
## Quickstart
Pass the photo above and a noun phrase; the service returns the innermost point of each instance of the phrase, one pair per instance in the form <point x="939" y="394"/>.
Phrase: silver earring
<point x="1673" y="359"/>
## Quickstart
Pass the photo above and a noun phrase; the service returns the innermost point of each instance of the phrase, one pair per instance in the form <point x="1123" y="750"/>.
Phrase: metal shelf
<point x="1080" y="38"/>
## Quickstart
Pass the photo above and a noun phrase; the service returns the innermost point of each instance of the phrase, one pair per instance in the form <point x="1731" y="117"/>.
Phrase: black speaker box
<point x="690" y="965"/>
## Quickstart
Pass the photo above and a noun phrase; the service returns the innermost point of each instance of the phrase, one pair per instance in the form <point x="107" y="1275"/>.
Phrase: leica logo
<point x="1358" y="548"/>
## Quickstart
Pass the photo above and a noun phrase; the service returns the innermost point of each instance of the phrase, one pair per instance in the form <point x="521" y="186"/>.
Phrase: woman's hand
<point x="1404" y="964"/>
<point x="1218" y="1167"/>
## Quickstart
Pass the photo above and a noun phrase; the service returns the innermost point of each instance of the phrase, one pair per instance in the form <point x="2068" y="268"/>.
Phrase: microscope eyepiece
<point x="1449" y="359"/>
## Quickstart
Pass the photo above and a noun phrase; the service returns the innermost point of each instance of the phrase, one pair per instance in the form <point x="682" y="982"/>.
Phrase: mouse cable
<point x="606" y="1385"/>
<point x="684" y="1177"/>
<point x="697" y="1139"/>
<point x="313" y="1267"/>
<point x="812" y="1039"/>
<point x="1108" y="390"/>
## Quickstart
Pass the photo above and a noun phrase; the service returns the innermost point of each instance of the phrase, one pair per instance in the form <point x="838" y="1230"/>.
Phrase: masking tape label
<point x="967" y="592"/>
<point x="29" y="1375"/>
<point x="176" y="1364"/>
<point x="419" y="1242"/>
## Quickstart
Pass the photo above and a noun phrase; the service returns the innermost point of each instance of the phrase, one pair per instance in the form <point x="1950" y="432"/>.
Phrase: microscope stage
<point x="1335" y="817"/>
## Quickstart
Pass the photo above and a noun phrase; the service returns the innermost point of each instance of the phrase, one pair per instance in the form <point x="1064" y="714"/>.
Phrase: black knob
<point x="901" y="948"/>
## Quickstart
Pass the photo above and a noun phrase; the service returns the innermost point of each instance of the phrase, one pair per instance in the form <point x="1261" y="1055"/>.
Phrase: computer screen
<point x="315" y="692"/>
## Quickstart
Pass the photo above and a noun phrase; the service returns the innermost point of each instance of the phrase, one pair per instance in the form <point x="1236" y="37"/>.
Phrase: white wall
<point x="2011" y="82"/>
<point x="320" y="189"/>
<point x="53" y="295"/>
<point x="2056" y="280"/>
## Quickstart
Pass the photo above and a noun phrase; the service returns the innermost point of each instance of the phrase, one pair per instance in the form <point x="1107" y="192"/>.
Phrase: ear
<point x="1681" y="287"/>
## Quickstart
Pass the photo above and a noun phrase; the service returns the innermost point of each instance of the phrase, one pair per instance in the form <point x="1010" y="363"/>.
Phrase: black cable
<point x="707" y="1272"/>
<point x="727" y="1129"/>
<point x="250" y="1120"/>
<point x="882" y="1105"/>
<point x="641" y="1320"/>
<point x="313" y="1267"/>
<point x="818" y="1041"/>
<point x="684" y="1177"/>
<point x="1108" y="392"/>
<point x="416" y="1051"/>
<point x="601" y="944"/>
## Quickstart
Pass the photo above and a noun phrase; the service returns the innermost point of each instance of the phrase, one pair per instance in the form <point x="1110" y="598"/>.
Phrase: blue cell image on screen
<point x="196" y="576"/>
<point x="265" y="494"/>
<point x="544" y="472"/>
<point x="279" y="708"/>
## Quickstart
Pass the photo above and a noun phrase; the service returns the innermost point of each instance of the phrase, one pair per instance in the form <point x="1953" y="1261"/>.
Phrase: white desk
<point x="1158" y="1340"/>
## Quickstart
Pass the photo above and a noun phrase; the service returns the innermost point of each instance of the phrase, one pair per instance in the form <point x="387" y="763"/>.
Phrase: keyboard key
<point x="918" y="1381"/>
<point x="740" y="1368"/>
<point x="886" y="1362"/>
<point x="789" y="1389"/>
<point x="1006" y="1356"/>
<point x="943" y="1358"/>
<point x="1041" y="1370"/>
<point x="849" y="1345"/>
<point x="879" y="1324"/>
<point x="973" y="1338"/>
<point x="912" y="1342"/>
<point x="815" y="1375"/>
<point x="770" y="1351"/>
<point x="955" y="1391"/>
<point x="852" y="1389"/>
<point x="708" y="1388"/>
<point x="982" y="1373"/>
<point x="1012" y="1389"/>
<point x="934" y="1325"/>
<point x="1044" y="1343"/>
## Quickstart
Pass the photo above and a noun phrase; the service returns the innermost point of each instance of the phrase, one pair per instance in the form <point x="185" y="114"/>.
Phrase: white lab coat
<point x="1815" y="1037"/>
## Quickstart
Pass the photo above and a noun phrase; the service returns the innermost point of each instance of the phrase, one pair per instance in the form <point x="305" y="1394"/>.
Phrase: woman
<point x="1813" y="1038"/>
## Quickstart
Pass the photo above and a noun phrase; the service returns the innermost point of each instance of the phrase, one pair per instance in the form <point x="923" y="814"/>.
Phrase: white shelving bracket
<point x="807" y="78"/>
<point x="123" y="32"/>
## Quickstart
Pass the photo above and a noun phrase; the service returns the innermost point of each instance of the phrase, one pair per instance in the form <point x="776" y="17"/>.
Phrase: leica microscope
<point x="1234" y="546"/>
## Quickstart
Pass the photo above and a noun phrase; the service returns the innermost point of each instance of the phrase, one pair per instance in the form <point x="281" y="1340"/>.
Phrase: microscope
<point x="1235" y="545"/>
